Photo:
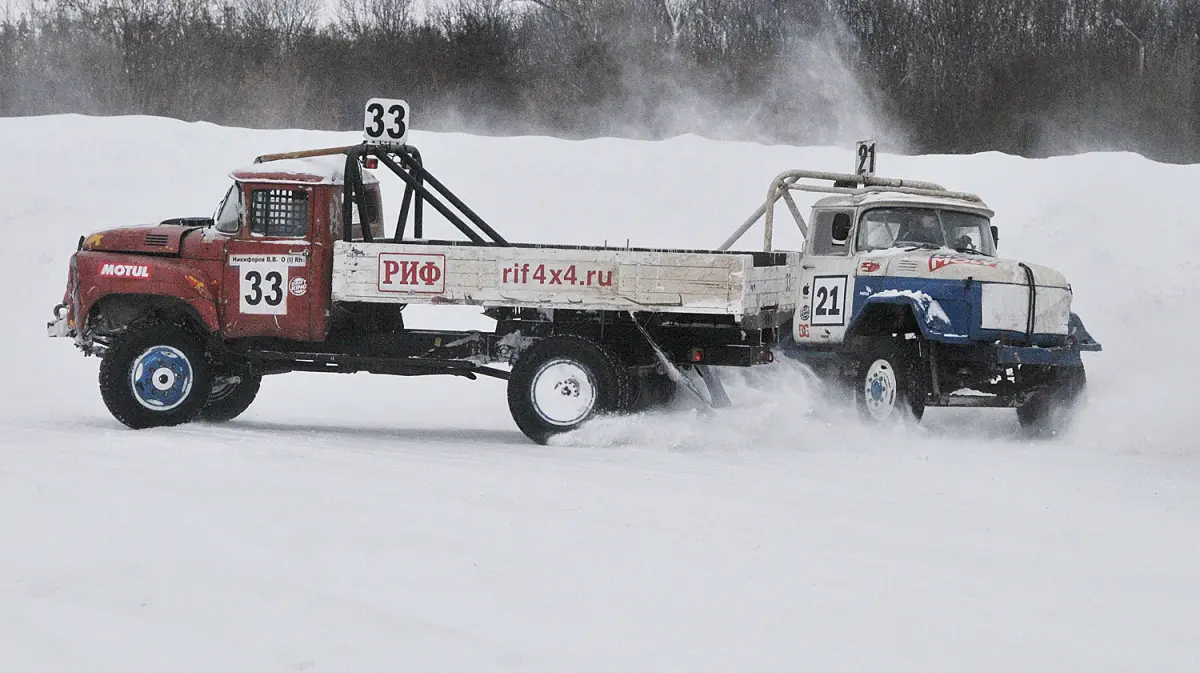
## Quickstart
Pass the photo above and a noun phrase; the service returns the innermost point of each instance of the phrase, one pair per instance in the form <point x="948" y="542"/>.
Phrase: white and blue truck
<point x="903" y="297"/>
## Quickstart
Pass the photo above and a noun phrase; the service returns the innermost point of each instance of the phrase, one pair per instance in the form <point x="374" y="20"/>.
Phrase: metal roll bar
<point x="843" y="183"/>
<point x="419" y="183"/>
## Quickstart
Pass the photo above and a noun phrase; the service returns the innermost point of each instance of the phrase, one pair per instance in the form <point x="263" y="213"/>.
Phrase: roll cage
<point x="843" y="183"/>
<point x="421" y="187"/>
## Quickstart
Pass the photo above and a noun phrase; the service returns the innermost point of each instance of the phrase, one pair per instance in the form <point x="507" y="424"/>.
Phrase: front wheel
<point x="888" y="387"/>
<point x="230" y="396"/>
<point x="153" y="376"/>
<point x="562" y="381"/>
<point x="1050" y="410"/>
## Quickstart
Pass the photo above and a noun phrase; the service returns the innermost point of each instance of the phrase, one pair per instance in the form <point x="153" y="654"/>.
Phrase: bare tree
<point x="386" y="18"/>
<point x="288" y="19"/>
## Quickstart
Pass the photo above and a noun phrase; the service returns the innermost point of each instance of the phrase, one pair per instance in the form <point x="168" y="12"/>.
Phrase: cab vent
<point x="158" y="240"/>
<point x="908" y="266"/>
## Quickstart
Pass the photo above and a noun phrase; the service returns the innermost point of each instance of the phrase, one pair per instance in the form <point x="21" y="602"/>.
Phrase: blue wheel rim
<point x="161" y="378"/>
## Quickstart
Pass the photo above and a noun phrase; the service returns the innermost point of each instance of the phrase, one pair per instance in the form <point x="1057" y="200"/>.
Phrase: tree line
<point x="1029" y="77"/>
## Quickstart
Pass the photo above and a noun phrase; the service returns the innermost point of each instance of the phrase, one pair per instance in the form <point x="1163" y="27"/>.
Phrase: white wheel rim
<point x="563" y="392"/>
<point x="879" y="389"/>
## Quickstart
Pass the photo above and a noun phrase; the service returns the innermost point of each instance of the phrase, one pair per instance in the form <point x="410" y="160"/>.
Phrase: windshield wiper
<point x="972" y="251"/>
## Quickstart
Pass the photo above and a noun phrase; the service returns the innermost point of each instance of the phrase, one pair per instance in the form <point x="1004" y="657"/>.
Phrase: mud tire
<point x="226" y="403"/>
<point x="1050" y="411"/>
<point x="889" y="387"/>
<point x="561" y="382"/>
<point x="155" y="375"/>
<point x="653" y="391"/>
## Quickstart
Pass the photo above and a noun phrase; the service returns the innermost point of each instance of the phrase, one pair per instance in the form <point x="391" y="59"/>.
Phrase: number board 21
<point x="829" y="301"/>
<point x="864" y="157"/>
<point x="385" y="122"/>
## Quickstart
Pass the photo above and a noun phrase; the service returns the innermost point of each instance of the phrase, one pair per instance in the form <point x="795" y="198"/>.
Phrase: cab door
<point x="268" y="271"/>
<point x="826" y="280"/>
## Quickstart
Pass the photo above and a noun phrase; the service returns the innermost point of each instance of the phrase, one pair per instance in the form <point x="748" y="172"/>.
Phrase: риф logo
<point x="125" y="271"/>
<point x="411" y="272"/>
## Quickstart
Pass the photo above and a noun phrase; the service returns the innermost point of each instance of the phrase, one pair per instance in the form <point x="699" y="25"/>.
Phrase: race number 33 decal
<point x="263" y="282"/>
<point x="829" y="301"/>
<point x="253" y="296"/>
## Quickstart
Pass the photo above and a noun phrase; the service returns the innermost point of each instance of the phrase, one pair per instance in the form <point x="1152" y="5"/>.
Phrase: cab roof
<point x="882" y="197"/>
<point x="320" y="170"/>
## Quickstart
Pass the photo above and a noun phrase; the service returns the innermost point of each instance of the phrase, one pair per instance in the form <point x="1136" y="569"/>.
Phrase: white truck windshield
<point x="882" y="228"/>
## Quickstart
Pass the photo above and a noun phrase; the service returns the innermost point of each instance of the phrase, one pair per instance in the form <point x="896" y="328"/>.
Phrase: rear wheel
<point x="652" y="391"/>
<point x="155" y="375"/>
<point x="230" y="396"/>
<point x="888" y="387"/>
<point x="1051" y="410"/>
<point x="560" y="382"/>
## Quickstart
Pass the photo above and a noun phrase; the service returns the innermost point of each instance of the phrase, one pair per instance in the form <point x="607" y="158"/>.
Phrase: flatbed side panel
<point x="681" y="282"/>
<point x="773" y="286"/>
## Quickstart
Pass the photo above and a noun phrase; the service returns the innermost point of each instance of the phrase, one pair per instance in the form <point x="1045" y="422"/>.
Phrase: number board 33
<point x="829" y="301"/>
<point x="263" y="282"/>
<point x="385" y="122"/>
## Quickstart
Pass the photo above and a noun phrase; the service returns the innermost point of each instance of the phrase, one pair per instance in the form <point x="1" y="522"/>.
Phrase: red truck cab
<point x="260" y="266"/>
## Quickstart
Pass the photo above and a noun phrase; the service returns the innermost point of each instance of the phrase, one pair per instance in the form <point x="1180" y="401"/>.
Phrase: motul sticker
<point x="939" y="261"/>
<point x="140" y="271"/>
<point x="412" y="272"/>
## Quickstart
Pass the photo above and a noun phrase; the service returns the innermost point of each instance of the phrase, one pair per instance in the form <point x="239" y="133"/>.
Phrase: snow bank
<point x="381" y="524"/>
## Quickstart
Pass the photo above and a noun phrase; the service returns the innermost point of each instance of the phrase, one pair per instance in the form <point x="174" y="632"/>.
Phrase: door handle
<point x="808" y="266"/>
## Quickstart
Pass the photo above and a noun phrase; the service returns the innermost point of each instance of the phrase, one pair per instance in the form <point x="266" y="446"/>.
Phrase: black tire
<point x="652" y="390"/>
<point x="155" y="375"/>
<point x="1050" y="411"/>
<point x="593" y="379"/>
<point x="889" y="387"/>
<point x="227" y="400"/>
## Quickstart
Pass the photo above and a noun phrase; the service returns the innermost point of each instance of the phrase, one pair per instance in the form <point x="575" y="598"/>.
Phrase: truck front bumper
<point x="1033" y="355"/>
<point x="61" y="326"/>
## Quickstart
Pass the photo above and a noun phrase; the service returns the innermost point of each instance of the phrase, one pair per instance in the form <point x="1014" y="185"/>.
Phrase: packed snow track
<point x="369" y="524"/>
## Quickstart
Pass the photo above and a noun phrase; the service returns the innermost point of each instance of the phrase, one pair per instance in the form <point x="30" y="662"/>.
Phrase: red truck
<point x="295" y="272"/>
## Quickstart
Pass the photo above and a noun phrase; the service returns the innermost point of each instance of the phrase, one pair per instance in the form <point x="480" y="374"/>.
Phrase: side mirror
<point x="841" y="228"/>
<point x="996" y="235"/>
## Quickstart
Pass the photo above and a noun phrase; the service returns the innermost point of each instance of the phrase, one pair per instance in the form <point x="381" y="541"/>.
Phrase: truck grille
<point x="908" y="266"/>
<point x="158" y="240"/>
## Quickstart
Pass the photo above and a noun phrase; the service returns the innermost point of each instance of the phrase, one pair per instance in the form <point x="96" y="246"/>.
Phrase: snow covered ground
<point x="376" y="524"/>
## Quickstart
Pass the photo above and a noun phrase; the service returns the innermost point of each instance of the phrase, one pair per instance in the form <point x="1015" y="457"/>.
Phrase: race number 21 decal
<point x="829" y="301"/>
